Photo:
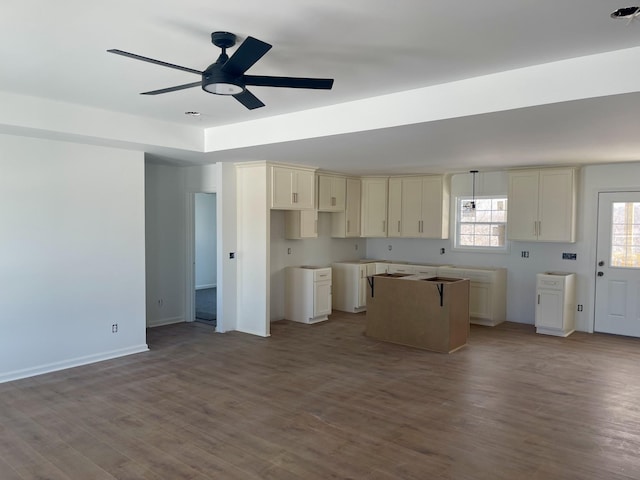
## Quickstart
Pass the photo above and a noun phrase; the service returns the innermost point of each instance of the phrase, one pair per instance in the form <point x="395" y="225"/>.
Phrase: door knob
<point x="600" y="274"/>
<point x="601" y="263"/>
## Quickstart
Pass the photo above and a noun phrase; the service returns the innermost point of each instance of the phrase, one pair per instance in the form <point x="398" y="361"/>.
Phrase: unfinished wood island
<point x="424" y="312"/>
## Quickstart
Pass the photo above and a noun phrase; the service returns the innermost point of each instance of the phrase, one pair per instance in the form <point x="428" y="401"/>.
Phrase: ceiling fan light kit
<point x="226" y="76"/>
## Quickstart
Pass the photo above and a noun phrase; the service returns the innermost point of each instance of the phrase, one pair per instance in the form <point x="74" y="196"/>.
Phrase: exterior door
<point x="617" y="308"/>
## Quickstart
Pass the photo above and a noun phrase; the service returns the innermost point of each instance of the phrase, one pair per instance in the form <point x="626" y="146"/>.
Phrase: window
<point x="625" y="235"/>
<point x="483" y="227"/>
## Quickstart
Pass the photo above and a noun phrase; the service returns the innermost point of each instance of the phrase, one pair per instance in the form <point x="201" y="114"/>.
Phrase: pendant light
<point x="472" y="204"/>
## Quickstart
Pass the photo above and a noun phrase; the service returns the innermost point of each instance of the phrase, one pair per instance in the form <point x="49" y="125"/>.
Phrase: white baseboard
<point x="73" y="362"/>
<point x="159" y="322"/>
<point x="203" y="287"/>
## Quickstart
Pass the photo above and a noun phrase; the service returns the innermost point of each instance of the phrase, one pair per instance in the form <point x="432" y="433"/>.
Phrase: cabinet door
<point x="374" y="207"/>
<point x="480" y="300"/>
<point x="322" y="298"/>
<point x="352" y="208"/>
<point x="331" y="193"/>
<point x="412" y="207"/>
<point x="281" y="187"/>
<point x="435" y="214"/>
<point x="549" y="309"/>
<point x="362" y="287"/>
<point x="523" y="205"/>
<point x="556" y="206"/>
<point x="300" y="224"/>
<point x="304" y="189"/>
<point x="395" y="207"/>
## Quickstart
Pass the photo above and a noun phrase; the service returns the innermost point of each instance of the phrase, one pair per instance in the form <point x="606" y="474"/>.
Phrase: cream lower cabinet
<point x="350" y="284"/>
<point x="346" y="224"/>
<point x="487" y="293"/>
<point x="542" y="205"/>
<point x="555" y="303"/>
<point x="307" y="294"/>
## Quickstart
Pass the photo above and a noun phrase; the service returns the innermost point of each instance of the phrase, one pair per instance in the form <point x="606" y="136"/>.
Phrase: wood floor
<point x="324" y="401"/>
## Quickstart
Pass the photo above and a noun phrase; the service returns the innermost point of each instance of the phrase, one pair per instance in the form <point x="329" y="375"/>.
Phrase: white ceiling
<point x="57" y="50"/>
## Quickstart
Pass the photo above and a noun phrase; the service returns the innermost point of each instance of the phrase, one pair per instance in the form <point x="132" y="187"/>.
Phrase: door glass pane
<point x="625" y="235"/>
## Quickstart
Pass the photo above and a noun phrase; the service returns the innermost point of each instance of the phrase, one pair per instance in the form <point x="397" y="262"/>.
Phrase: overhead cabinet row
<point x="410" y="207"/>
<point x="541" y="204"/>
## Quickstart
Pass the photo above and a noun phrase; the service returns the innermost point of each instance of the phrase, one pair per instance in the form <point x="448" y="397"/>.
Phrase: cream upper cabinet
<point x="395" y="207"/>
<point x="299" y="224"/>
<point x="542" y="205"/>
<point x="292" y="188"/>
<point x="374" y="207"/>
<point x="347" y="223"/>
<point x="420" y="207"/>
<point x="331" y="193"/>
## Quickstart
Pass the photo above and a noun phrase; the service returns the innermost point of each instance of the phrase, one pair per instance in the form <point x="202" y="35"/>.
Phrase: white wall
<point x="205" y="240"/>
<point x="253" y="294"/>
<point x="310" y="251"/>
<point x="166" y="225"/>
<point x="170" y="201"/>
<point x="72" y="256"/>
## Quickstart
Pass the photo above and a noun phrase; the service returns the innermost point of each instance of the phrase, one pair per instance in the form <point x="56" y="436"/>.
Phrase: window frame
<point x="505" y="249"/>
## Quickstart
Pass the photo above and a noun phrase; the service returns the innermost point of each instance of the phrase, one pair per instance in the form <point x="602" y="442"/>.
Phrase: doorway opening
<point x="205" y="259"/>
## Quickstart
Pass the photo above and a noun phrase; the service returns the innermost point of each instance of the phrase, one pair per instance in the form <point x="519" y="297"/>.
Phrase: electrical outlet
<point x="289" y="251"/>
<point x="525" y="254"/>
<point x="579" y="308"/>
<point x="232" y="255"/>
<point x="114" y="328"/>
<point x="390" y="247"/>
<point x="442" y="251"/>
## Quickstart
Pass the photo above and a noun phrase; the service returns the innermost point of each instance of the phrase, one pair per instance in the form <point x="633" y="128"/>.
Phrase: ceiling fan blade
<point x="151" y="60"/>
<point x="290" y="82"/>
<point x="248" y="53"/>
<point x="173" y="89"/>
<point x="249" y="100"/>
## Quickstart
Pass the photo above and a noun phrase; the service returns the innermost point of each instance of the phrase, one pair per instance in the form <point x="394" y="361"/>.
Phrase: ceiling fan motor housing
<point x="218" y="82"/>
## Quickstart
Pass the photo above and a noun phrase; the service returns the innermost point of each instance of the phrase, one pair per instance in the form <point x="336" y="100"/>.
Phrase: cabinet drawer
<point x="422" y="270"/>
<point x="450" y="272"/>
<point x="550" y="282"/>
<point x="477" y="276"/>
<point x="323" y="274"/>
<point x="400" y="268"/>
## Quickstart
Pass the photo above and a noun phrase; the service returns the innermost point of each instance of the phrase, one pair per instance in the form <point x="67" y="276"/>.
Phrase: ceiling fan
<point x="227" y="75"/>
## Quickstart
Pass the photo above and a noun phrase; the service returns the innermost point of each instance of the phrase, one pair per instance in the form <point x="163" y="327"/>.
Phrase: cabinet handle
<point x="538" y="299"/>
<point x="539" y="227"/>
<point x="333" y="201"/>
<point x="348" y="225"/>
<point x="315" y="227"/>
<point x="398" y="226"/>
<point x="535" y="228"/>
<point x="294" y="198"/>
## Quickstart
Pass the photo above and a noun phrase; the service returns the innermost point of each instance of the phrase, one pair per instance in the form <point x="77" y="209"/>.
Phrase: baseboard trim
<point x="164" y="321"/>
<point x="204" y="287"/>
<point x="73" y="362"/>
